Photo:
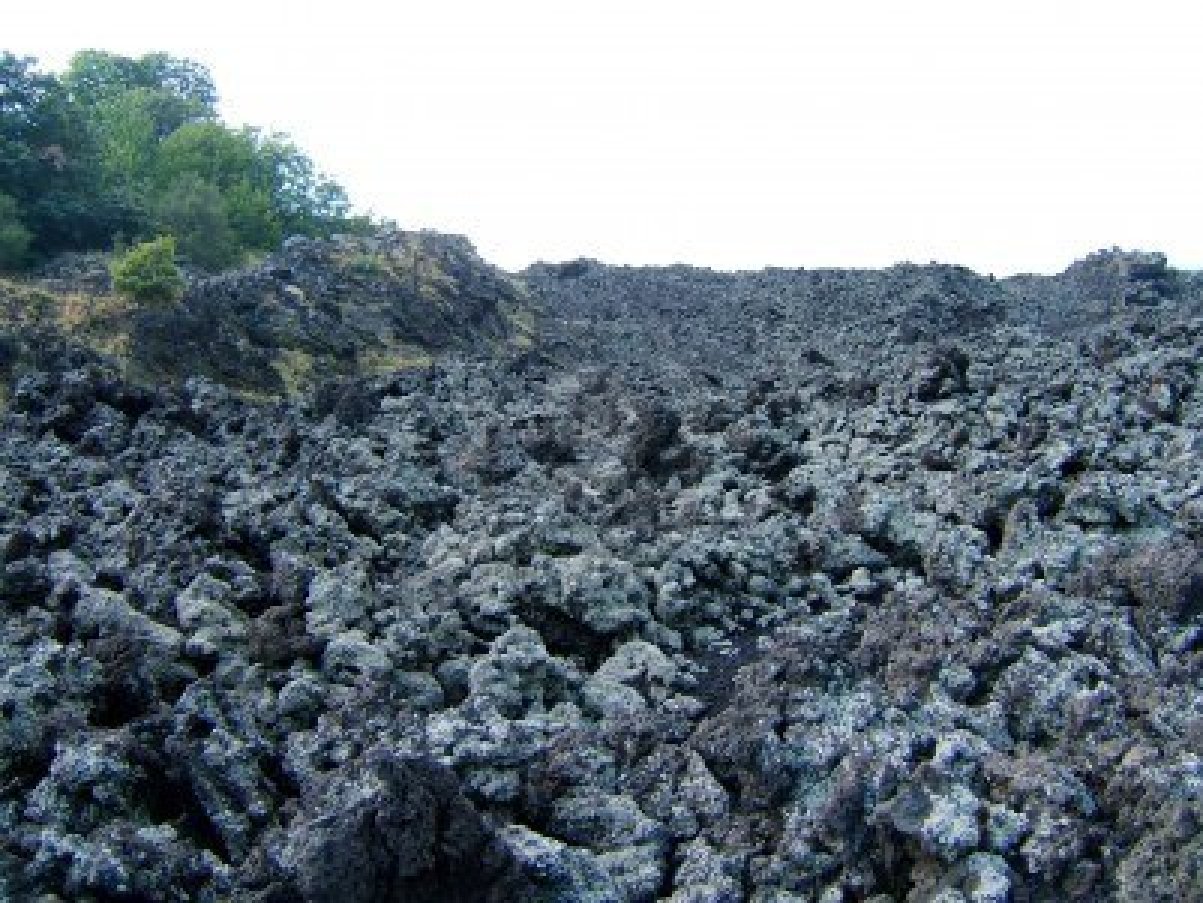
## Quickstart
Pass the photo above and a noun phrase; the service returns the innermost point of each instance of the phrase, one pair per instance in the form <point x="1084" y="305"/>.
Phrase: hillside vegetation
<point x="118" y="149"/>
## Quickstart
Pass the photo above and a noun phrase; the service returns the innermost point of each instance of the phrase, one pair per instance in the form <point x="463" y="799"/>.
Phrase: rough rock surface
<point x="315" y="310"/>
<point x="788" y="586"/>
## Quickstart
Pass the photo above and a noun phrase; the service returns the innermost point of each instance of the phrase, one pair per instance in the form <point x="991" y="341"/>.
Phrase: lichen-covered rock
<point x="793" y="586"/>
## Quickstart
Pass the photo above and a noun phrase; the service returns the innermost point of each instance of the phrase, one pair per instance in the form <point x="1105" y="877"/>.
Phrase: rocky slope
<point x="314" y="311"/>
<point x="788" y="586"/>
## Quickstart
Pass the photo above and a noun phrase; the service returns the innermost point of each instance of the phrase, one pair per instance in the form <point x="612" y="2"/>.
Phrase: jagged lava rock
<point x="784" y="586"/>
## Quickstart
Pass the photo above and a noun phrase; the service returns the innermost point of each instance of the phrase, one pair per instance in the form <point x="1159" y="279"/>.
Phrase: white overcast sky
<point x="1005" y="136"/>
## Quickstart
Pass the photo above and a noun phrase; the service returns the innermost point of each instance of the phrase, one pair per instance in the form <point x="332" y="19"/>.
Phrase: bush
<point x="14" y="237"/>
<point x="148" y="272"/>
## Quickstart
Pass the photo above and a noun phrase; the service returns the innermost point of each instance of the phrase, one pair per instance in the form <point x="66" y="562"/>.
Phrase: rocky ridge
<point x="787" y="586"/>
<point x="314" y="311"/>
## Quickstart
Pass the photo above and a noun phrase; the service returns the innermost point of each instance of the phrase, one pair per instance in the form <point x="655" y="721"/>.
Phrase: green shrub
<point x="14" y="237"/>
<point x="147" y="272"/>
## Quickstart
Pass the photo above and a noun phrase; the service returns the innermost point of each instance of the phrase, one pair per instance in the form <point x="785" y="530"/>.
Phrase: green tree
<point x="28" y="125"/>
<point x="307" y="202"/>
<point x="132" y="105"/>
<point x="230" y="161"/>
<point x="193" y="211"/>
<point x="120" y="145"/>
<point x="217" y="154"/>
<point x="252" y="216"/>
<point x="14" y="237"/>
<point x="50" y="164"/>
<point x="271" y="188"/>
<point x="125" y="129"/>
<point x="147" y="272"/>
<point x="175" y="91"/>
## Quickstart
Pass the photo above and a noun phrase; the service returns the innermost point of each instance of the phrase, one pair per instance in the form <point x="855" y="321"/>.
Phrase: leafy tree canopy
<point x="183" y="90"/>
<point x="193" y="210"/>
<point x="122" y="148"/>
